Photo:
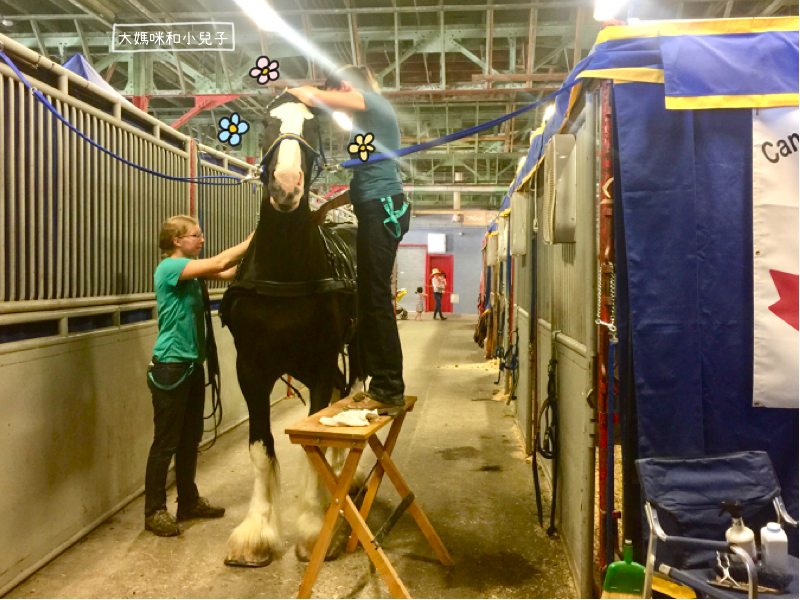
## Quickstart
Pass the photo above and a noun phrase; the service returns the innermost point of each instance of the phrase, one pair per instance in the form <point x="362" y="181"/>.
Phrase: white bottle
<point x="738" y="533"/>
<point x="743" y="537"/>
<point x="774" y="546"/>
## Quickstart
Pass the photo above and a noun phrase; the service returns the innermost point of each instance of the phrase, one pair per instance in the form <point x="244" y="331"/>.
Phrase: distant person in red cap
<point x="438" y="283"/>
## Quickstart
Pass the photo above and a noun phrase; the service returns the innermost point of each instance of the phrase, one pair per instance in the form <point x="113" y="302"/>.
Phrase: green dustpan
<point x="625" y="576"/>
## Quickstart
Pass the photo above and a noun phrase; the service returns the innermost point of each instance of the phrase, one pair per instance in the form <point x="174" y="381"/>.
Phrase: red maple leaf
<point x="786" y="308"/>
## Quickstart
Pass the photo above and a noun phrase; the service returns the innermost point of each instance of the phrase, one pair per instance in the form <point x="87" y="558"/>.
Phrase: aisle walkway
<point x="459" y="453"/>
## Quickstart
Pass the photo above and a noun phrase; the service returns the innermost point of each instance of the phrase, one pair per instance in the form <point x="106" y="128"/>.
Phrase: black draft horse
<point x="291" y="310"/>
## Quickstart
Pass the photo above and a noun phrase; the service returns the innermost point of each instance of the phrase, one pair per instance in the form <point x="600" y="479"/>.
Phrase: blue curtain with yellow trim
<point x="685" y="184"/>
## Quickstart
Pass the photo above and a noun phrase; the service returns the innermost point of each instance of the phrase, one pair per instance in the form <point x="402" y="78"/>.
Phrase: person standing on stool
<point x="376" y="194"/>
<point x="439" y="283"/>
<point x="176" y="377"/>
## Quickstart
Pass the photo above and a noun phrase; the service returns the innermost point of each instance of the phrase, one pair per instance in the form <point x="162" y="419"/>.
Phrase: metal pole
<point x="605" y="255"/>
<point x="3" y="198"/>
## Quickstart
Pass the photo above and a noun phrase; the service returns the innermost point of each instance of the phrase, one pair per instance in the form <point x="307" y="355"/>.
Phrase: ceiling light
<point x="343" y="120"/>
<point x="606" y="9"/>
<point x="7" y="22"/>
<point x="262" y="13"/>
<point x="268" y="20"/>
<point x="548" y="112"/>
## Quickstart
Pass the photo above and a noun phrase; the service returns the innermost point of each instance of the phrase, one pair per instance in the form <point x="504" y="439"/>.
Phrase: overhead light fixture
<point x="7" y="22"/>
<point x="548" y="112"/>
<point x="606" y="9"/>
<point x="343" y="120"/>
<point x="268" y="20"/>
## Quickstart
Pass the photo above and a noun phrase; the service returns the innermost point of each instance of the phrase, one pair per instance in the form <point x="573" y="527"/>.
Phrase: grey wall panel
<point x="76" y="441"/>
<point x="524" y="392"/>
<point x="411" y="274"/>
<point x="565" y="302"/>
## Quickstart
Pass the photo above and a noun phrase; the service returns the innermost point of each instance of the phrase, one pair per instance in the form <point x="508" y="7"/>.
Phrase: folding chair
<point x="682" y="506"/>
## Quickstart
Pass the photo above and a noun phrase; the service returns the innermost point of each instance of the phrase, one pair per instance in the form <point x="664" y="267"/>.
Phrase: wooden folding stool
<point x="314" y="438"/>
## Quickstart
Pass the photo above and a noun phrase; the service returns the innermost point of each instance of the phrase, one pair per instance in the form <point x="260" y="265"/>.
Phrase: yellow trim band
<point x="728" y="26"/>
<point x="747" y="101"/>
<point x="624" y="32"/>
<point x="640" y="74"/>
<point x="699" y="27"/>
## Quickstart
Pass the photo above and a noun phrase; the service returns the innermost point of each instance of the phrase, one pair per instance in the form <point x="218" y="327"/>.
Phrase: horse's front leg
<point x="256" y="542"/>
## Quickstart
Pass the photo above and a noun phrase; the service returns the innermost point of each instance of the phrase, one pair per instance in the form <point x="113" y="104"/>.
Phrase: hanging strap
<point x="388" y="205"/>
<point x="212" y="359"/>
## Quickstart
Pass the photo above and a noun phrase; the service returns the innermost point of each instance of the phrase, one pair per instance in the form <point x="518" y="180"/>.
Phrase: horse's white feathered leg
<point x="257" y="540"/>
<point x="314" y="500"/>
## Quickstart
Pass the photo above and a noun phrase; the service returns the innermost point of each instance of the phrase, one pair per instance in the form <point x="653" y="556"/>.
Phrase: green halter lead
<point x="388" y="205"/>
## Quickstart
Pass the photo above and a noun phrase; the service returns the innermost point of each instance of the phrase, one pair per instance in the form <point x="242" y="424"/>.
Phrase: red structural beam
<point x="141" y="102"/>
<point x="202" y="103"/>
<point x="605" y="256"/>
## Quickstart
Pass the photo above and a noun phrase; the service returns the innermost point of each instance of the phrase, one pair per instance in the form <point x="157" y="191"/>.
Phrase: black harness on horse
<point x="340" y="259"/>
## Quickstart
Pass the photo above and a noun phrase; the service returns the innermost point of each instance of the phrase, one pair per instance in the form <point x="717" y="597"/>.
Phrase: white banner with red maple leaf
<point x="776" y="146"/>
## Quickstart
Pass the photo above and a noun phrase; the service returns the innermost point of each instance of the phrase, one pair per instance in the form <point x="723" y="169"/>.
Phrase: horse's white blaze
<point x="288" y="172"/>
<point x="258" y="537"/>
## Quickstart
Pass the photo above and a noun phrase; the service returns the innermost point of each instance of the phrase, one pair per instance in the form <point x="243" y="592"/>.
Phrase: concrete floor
<point x="459" y="453"/>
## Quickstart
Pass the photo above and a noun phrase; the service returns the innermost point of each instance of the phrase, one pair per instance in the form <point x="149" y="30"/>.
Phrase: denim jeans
<point x="377" y="325"/>
<point x="178" y="420"/>
<point x="437" y="297"/>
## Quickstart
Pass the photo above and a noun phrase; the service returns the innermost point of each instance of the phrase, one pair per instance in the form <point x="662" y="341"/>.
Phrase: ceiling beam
<point x="468" y="92"/>
<point x="84" y="47"/>
<point x="521" y="77"/>
<point x="774" y="7"/>
<point x="38" y="34"/>
<point x="99" y="13"/>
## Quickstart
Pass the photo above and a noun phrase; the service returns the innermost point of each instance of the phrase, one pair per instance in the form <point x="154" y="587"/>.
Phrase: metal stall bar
<point x="31" y="195"/>
<point x="3" y="198"/>
<point x="60" y="190"/>
<point x="12" y="192"/>
<point x="25" y="130"/>
<point x="93" y="238"/>
<point x="71" y="216"/>
<point x="605" y="267"/>
<point x="44" y="183"/>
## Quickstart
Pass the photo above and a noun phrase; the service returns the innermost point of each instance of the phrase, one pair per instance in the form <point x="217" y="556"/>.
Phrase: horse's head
<point x="288" y="169"/>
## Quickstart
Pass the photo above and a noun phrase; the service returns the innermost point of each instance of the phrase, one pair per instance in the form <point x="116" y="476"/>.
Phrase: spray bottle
<point x="738" y="533"/>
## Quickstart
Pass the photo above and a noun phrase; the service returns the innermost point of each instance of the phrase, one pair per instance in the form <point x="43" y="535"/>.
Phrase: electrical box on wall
<point x="491" y="250"/>
<point x="520" y="223"/>
<point x="502" y="238"/>
<point x="437" y="243"/>
<point x="560" y="190"/>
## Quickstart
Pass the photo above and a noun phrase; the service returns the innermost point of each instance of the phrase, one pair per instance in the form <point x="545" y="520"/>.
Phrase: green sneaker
<point x="162" y="524"/>
<point x="200" y="509"/>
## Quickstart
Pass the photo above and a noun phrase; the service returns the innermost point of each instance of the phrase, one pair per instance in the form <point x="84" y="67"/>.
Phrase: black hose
<point x="212" y="359"/>
<point x="547" y="445"/>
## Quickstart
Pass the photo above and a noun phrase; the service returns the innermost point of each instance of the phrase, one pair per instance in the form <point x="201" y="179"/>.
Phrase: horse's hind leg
<point x="314" y="496"/>
<point x="256" y="542"/>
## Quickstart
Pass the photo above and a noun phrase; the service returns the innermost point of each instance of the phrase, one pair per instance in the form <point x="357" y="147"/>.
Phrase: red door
<point x="443" y="262"/>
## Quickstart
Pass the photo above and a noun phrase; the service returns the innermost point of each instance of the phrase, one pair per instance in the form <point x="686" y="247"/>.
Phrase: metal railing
<point x="78" y="228"/>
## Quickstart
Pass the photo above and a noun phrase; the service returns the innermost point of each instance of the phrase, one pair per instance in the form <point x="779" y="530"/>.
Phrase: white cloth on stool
<point x="350" y="418"/>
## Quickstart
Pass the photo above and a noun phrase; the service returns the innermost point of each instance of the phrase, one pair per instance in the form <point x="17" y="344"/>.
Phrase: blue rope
<point x="457" y="135"/>
<point x="39" y="96"/>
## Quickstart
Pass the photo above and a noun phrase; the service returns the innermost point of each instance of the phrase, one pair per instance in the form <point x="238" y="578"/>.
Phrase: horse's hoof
<point x="240" y="562"/>
<point x="304" y="550"/>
